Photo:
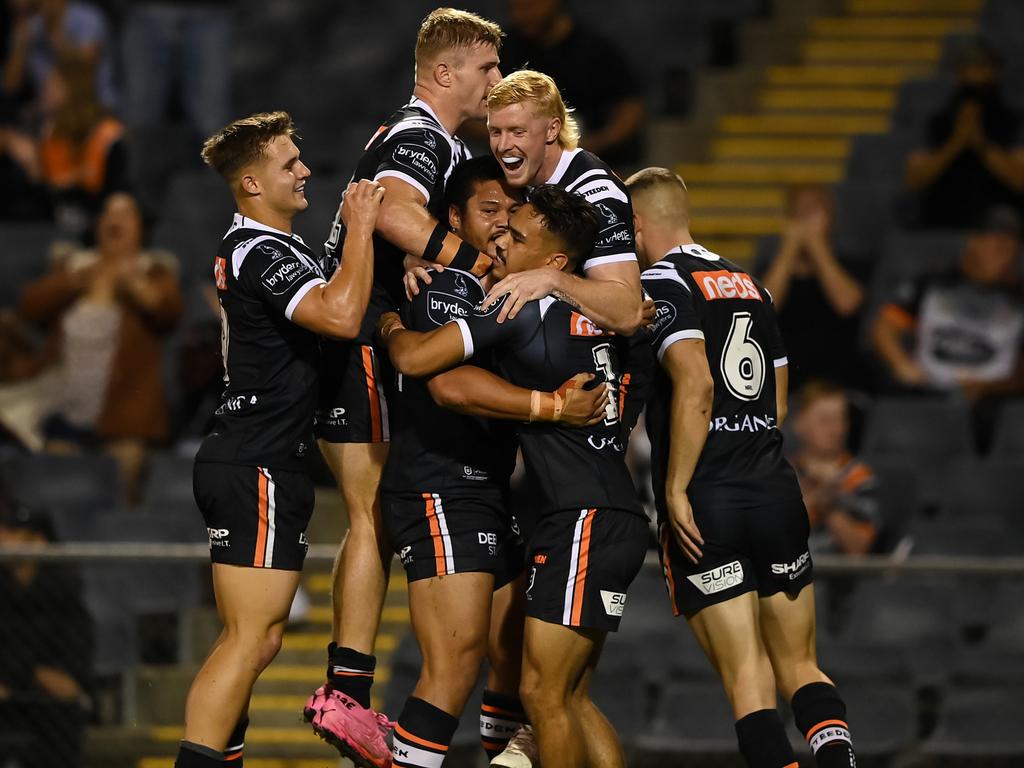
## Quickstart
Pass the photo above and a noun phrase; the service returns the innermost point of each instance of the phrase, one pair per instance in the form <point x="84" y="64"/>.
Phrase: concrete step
<point x="863" y="75"/>
<point x="736" y="249"/>
<point x="914" y="7"/>
<point x="774" y="174"/>
<point x="803" y="124"/>
<point x="775" y="149"/>
<point x="292" y="742"/>
<point x="864" y="100"/>
<point x="826" y="50"/>
<point x="734" y="197"/>
<point x="869" y="27"/>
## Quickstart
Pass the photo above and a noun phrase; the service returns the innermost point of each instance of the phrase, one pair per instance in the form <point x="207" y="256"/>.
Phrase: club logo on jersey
<point x="614" y="602"/>
<point x="442" y="307"/>
<point x="724" y="284"/>
<point x="794" y="569"/>
<point x="460" y="286"/>
<point x="279" y="277"/>
<point x="419" y="159"/>
<point x="581" y="325"/>
<point x="479" y="311"/>
<point x="718" y="579"/>
<point x="610" y="217"/>
<point x="405" y="555"/>
<point x="220" y="273"/>
<point x="664" y="315"/>
<point x="429" y="140"/>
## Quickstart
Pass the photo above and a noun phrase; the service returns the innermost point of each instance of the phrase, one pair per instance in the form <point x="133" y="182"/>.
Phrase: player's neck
<point x="450" y="116"/>
<point x="658" y="246"/>
<point x="552" y="157"/>
<point x="268" y="218"/>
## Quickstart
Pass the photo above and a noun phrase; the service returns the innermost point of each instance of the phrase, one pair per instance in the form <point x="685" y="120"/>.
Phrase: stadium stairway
<point x="828" y="78"/>
<point x="277" y="736"/>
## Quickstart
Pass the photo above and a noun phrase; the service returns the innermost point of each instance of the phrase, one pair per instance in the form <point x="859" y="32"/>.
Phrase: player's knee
<point x="455" y="671"/>
<point x="540" y="695"/>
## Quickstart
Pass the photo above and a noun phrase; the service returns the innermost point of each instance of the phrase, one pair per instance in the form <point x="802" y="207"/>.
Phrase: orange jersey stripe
<point x="236" y="756"/>
<point x="669" y="581"/>
<point x="376" y="431"/>
<point x="581" y="569"/>
<point x="263" y="524"/>
<point x="499" y="711"/>
<point x="824" y="724"/>
<point x="435" y="534"/>
<point x="417" y="740"/>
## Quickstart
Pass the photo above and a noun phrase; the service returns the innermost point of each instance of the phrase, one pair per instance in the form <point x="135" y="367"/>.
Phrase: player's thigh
<point x="358" y="468"/>
<point x="729" y="633"/>
<point x="253" y="599"/>
<point x="555" y="658"/>
<point x="788" y="627"/>
<point x="451" y="615"/>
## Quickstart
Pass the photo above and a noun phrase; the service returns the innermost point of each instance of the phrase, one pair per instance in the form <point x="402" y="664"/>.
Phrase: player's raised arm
<point x="336" y="308"/>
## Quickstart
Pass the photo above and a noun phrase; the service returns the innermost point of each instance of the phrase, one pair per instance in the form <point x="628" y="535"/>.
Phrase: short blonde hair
<point x="528" y="85"/>
<point x="243" y="142"/>
<point x="666" y="192"/>
<point x="445" y="29"/>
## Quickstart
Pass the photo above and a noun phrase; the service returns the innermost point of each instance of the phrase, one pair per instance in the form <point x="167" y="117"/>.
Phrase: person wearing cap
<point x="972" y="158"/>
<point x="962" y="330"/>
<point x="47" y="639"/>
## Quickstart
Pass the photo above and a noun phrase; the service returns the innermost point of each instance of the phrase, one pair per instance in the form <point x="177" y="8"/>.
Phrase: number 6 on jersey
<point x="742" y="362"/>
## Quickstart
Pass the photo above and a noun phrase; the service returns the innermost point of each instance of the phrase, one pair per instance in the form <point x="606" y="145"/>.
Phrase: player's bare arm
<point x="686" y="363"/>
<point x="609" y="295"/>
<point x="781" y="395"/>
<point x="336" y="309"/>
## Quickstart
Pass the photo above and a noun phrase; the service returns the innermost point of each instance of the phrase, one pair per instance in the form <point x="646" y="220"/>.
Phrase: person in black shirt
<point x="591" y="71"/>
<point x="249" y="482"/>
<point x="444" y="499"/>
<point x="973" y="158"/>
<point x="733" y="526"/>
<point x="591" y="533"/>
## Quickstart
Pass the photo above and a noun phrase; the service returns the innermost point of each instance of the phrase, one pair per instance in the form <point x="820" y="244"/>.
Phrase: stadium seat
<point x="918" y="100"/>
<point x="979" y="722"/>
<point x="168" y="479"/>
<point x="690" y="718"/>
<point x="620" y="691"/>
<point x="1007" y="630"/>
<point x="117" y="639"/>
<point x="879" y="157"/>
<point x="994" y="487"/>
<point x="1008" y="443"/>
<point x="26" y="250"/>
<point x="897" y="498"/>
<point x="899" y="613"/>
<point x="926" y="430"/>
<point x="864" y="211"/>
<point x="883" y="718"/>
<point x="980" y="536"/>
<point x="854" y="663"/>
<point x="983" y="665"/>
<point x="46" y="480"/>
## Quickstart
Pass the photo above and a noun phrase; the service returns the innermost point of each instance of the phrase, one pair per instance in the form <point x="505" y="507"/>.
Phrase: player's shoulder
<point x="412" y="124"/>
<point x="592" y="178"/>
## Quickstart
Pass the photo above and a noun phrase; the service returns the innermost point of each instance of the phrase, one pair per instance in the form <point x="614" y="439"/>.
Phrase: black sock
<point x="763" y="742"/>
<point x="820" y="715"/>
<point x="422" y="734"/>
<point x="350" y="672"/>
<point x="197" y="756"/>
<point x="500" y="718"/>
<point x="236" y="743"/>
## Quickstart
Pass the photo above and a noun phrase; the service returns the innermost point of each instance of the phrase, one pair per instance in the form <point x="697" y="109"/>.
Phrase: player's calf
<point x="763" y="742"/>
<point x="820" y="714"/>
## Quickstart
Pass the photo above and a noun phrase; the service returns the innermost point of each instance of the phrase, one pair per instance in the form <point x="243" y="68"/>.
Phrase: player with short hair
<point x="250" y="482"/>
<point x="733" y="524"/>
<point x="591" y="534"/>
<point x="411" y="155"/>
<point x="444" y="498"/>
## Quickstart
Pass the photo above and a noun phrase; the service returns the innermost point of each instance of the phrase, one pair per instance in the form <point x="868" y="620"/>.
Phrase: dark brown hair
<point x="245" y="141"/>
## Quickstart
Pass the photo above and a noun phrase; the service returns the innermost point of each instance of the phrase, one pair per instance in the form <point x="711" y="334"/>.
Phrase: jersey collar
<point x="563" y="165"/>
<point x="421" y="104"/>
<point x="241" y="222"/>
<point x="692" y="249"/>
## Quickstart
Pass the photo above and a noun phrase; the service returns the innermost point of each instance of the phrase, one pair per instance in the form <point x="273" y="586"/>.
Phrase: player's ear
<point x="250" y="184"/>
<point x="443" y="74"/>
<point x="554" y="128"/>
<point x="454" y="217"/>
<point x="558" y="260"/>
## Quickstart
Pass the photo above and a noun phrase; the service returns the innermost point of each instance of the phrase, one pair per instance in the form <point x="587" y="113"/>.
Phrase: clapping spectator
<point x="108" y="310"/>
<point x="840" y="492"/>
<point x="590" y="70"/>
<point x="817" y="299"/>
<point x="973" y="158"/>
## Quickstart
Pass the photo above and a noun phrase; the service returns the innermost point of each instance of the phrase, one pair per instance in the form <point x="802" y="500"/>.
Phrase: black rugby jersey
<point x="434" y="449"/>
<point x="588" y="176"/>
<point x="412" y="145"/>
<point x="700" y="295"/>
<point x="266" y="413"/>
<point x="540" y="348"/>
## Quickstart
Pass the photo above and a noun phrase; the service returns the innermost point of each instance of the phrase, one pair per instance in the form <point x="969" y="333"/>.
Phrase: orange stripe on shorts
<point x="376" y="430"/>
<point x="435" y="534"/>
<point x="581" y="568"/>
<point x="262" y="524"/>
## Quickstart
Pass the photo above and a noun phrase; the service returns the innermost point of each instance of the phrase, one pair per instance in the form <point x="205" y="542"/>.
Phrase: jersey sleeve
<point x="481" y="329"/>
<point x="418" y="156"/>
<point x="616" y="241"/>
<point x="675" y="317"/>
<point x="273" y="272"/>
<point x="776" y="344"/>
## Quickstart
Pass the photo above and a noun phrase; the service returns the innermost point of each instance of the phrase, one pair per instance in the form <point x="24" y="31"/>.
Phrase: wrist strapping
<point x="543" y="410"/>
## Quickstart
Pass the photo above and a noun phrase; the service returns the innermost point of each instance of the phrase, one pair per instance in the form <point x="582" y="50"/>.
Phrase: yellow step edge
<point x="844" y="74"/>
<point x="761" y="173"/>
<point x="817" y="149"/>
<point x="810" y="124"/>
<point x="262" y="735"/>
<point x="739" y="225"/>
<point x="734" y="249"/>
<point x="250" y="762"/>
<point x="263" y="702"/>
<point x="819" y="50"/>
<point x="324" y="614"/>
<point x="315" y="641"/>
<point x="930" y="7"/>
<point x="725" y="197"/>
<point x="889" y="26"/>
<point x="861" y="99"/>
<point x="324" y="582"/>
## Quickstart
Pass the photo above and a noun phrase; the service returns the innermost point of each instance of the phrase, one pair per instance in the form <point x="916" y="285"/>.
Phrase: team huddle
<point x="463" y="310"/>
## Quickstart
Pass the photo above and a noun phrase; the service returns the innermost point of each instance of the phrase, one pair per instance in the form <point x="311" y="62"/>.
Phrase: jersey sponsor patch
<point x="581" y="325"/>
<point x="601" y="189"/>
<point x="614" y="602"/>
<point x="419" y="159"/>
<point x="444" y="307"/>
<point x="724" y="284"/>
<point x="280" y="276"/>
<point x="664" y="315"/>
<point x="718" y="579"/>
<point x="793" y="569"/>
<point x="619" y="233"/>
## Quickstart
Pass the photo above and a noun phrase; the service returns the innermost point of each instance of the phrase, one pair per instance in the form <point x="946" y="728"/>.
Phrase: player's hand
<point x="582" y="407"/>
<point x="680" y="515"/>
<point x="521" y="288"/>
<point x="648" y="312"/>
<point x="911" y="374"/>
<point x="360" y="206"/>
<point x="416" y="270"/>
<point x="389" y="323"/>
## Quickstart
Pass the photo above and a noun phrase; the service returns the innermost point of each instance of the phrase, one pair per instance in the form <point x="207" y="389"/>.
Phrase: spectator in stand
<point x="973" y="158"/>
<point x="43" y="31"/>
<point x="839" y="491"/>
<point x="591" y="72"/>
<point x="80" y="156"/>
<point x="817" y="299"/>
<point x="187" y="45"/>
<point x="47" y="640"/>
<point x="108" y="310"/>
<point x="962" y="331"/>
